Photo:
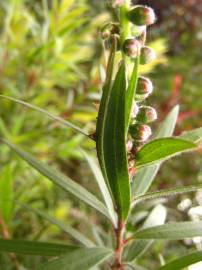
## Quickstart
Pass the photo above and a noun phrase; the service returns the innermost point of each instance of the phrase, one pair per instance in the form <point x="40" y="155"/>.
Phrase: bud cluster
<point x="141" y="115"/>
<point x="139" y="17"/>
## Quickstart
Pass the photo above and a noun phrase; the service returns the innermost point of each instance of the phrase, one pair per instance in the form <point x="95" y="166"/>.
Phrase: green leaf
<point x="172" y="231"/>
<point x="102" y="185"/>
<point x="35" y="248"/>
<point x="167" y="193"/>
<point x="75" y="234"/>
<point x="194" y="136"/>
<point x="183" y="261"/>
<point x="162" y="149"/>
<point x="130" y="93"/>
<point x="50" y="115"/>
<point x="112" y="142"/>
<point x="61" y="180"/>
<point x="146" y="175"/>
<point x="83" y="259"/>
<point x="6" y="193"/>
<point x="138" y="247"/>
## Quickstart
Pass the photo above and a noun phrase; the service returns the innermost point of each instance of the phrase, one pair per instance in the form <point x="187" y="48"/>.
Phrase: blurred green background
<point x="50" y="56"/>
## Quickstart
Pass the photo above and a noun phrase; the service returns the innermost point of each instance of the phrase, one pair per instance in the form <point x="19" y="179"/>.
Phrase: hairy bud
<point x="109" y="29"/>
<point x="131" y="47"/>
<point x="144" y="88"/>
<point x="140" y="132"/>
<point x="129" y="146"/>
<point x="146" y="114"/>
<point x="147" y="55"/>
<point x="142" y="15"/>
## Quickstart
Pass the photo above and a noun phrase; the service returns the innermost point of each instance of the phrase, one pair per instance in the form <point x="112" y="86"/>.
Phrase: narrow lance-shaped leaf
<point x="102" y="185"/>
<point x="194" y="135"/>
<point x="114" y="145"/>
<point x="146" y="175"/>
<point x="50" y="115"/>
<point x="101" y="119"/>
<point x="61" y="180"/>
<point x="35" y="248"/>
<point x="167" y="193"/>
<point x="172" y="231"/>
<point x="75" y="234"/>
<point x="183" y="261"/>
<point x="162" y="149"/>
<point x="83" y="259"/>
<point x="6" y="193"/>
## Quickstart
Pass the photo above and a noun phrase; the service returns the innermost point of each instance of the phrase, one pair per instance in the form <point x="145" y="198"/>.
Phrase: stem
<point x="119" y="246"/>
<point x="125" y="26"/>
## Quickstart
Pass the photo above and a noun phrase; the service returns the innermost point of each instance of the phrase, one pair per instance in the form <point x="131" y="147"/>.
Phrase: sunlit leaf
<point x="162" y="149"/>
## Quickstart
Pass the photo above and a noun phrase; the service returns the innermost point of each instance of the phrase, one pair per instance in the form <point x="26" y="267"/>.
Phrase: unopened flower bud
<point x="146" y="114"/>
<point x="144" y="88"/>
<point x="131" y="47"/>
<point x="139" y="132"/>
<point x="109" y="29"/>
<point x="142" y="15"/>
<point x="147" y="55"/>
<point x="135" y="110"/>
<point x="129" y="146"/>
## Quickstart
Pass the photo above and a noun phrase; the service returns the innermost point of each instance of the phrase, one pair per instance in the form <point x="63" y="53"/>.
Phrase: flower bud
<point x="146" y="114"/>
<point x="147" y="55"/>
<point x="144" y="88"/>
<point x="129" y="146"/>
<point x="139" y="132"/>
<point x="135" y="110"/>
<point x="142" y="15"/>
<point x="109" y="29"/>
<point x="131" y="47"/>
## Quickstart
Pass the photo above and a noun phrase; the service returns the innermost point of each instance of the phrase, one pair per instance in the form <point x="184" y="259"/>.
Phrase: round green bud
<point x="131" y="47"/>
<point x="140" y="132"/>
<point x="142" y="15"/>
<point x="144" y="88"/>
<point x="147" y="55"/>
<point x="146" y="114"/>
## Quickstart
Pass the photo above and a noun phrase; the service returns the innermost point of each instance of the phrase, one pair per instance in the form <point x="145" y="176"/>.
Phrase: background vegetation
<point x="51" y="56"/>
